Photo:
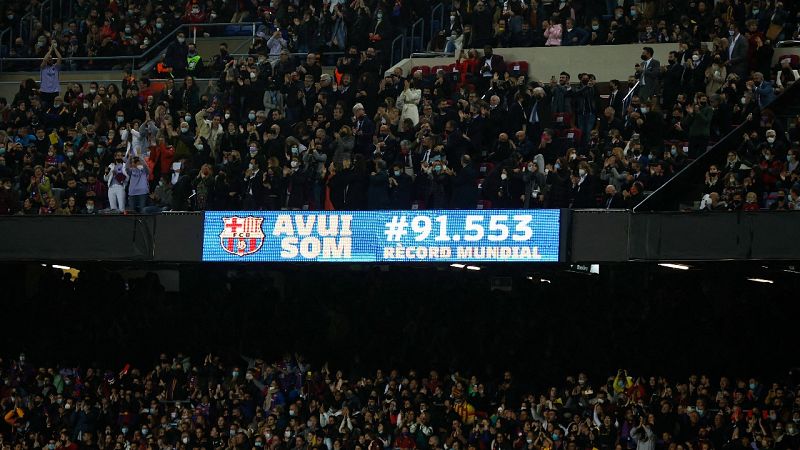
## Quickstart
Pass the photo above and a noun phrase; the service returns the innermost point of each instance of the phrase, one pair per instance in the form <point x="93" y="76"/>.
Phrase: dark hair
<point x="649" y="50"/>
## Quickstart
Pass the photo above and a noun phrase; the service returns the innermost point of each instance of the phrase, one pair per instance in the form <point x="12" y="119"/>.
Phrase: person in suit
<point x="737" y="53"/>
<point x="517" y="116"/>
<point x="612" y="199"/>
<point x="538" y="114"/>
<point x="615" y="98"/>
<point x="494" y="63"/>
<point x="649" y="74"/>
<point x="465" y="186"/>
<point x="672" y="78"/>
<point x="364" y="129"/>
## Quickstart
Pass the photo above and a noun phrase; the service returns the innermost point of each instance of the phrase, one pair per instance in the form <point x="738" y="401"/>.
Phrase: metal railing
<point x="416" y="28"/>
<point x="141" y="58"/>
<point x="402" y="40"/>
<point x="438" y="9"/>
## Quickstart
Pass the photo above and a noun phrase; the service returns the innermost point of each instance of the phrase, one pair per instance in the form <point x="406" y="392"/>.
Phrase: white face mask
<point x="744" y="101"/>
<point x="503" y="176"/>
<point x="695" y="58"/>
<point x="181" y="40"/>
<point x="184" y="130"/>
<point x="198" y="146"/>
<point x="581" y="172"/>
<point x="770" y="140"/>
<point x="294" y="166"/>
<point x="227" y="116"/>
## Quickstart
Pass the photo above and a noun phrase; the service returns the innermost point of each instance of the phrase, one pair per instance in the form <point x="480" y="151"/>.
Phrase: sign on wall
<point x="382" y="236"/>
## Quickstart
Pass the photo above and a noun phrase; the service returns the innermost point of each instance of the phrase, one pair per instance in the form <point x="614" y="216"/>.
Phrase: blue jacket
<point x="764" y="94"/>
<point x="578" y="36"/>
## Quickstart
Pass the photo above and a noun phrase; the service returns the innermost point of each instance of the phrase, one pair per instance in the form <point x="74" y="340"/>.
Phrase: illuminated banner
<point x="382" y="236"/>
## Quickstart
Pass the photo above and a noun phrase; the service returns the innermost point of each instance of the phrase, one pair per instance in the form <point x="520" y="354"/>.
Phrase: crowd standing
<point x="274" y="131"/>
<point x="249" y="403"/>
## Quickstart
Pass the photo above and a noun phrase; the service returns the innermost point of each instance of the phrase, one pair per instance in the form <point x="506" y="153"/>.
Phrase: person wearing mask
<point x="138" y="187"/>
<point x="698" y="123"/>
<point x="737" y="52"/>
<point x="176" y="56"/>
<point x="649" y="74"/>
<point x="117" y="180"/>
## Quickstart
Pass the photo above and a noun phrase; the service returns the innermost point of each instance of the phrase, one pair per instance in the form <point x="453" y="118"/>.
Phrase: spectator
<point x="49" y="73"/>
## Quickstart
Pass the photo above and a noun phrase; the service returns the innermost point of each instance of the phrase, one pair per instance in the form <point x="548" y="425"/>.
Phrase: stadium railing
<point x="139" y="60"/>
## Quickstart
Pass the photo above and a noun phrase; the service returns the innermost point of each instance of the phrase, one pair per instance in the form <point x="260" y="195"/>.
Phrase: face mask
<point x="160" y="25"/>
<point x="100" y="150"/>
<point x="288" y="434"/>
<point x="295" y="150"/>
<point x="187" y="118"/>
<point x="633" y="13"/>
<point x="184" y="130"/>
<point x="251" y="116"/>
<point x="557" y="166"/>
<point x="295" y="164"/>
<point x="572" y="156"/>
<point x="595" y="27"/>
<point x="227" y="116"/>
<point x="181" y="40"/>
<point x="397" y="173"/>
<point x="752" y="386"/>
<point x="124" y="430"/>
<point x="198" y="146"/>
<point x="251" y="166"/>
<point x="581" y="172"/>
<point x="120" y="119"/>
<point x="57" y="105"/>
<point x="379" y="16"/>
<point x="144" y="431"/>
<point x="695" y="58"/>
<point x="503" y="176"/>
<point x="744" y="101"/>
<point x="770" y="140"/>
<point x="253" y="75"/>
<point x="555" y="436"/>
<point x="85" y="105"/>
<point x="235" y="373"/>
<point x="92" y="90"/>
<point x="253" y="151"/>
<point x="70" y="154"/>
<point x="127" y="30"/>
<point x="643" y="110"/>
<point x="755" y="11"/>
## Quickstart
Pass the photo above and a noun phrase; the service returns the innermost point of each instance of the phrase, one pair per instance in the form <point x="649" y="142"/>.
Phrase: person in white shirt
<point x="117" y="179"/>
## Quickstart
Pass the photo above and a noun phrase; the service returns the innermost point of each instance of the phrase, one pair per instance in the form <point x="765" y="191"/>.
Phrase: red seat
<point x="522" y="66"/>
<point x="795" y="59"/>
<point x="485" y="169"/>
<point x="425" y="70"/>
<point x="484" y="204"/>
<point x="562" y="120"/>
<point x="434" y="69"/>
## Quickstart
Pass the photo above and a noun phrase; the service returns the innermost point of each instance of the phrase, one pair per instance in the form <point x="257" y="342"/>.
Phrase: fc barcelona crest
<point x="242" y="235"/>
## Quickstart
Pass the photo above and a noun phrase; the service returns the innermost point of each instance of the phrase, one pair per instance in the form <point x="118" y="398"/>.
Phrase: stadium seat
<point x="426" y="70"/>
<point x="522" y="65"/>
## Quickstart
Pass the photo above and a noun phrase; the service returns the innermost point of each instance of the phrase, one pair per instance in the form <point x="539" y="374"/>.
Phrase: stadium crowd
<point x="270" y="131"/>
<point x="249" y="403"/>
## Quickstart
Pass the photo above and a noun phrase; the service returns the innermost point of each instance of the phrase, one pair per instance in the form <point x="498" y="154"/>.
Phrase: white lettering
<point x="304" y="228"/>
<point x="289" y="247"/>
<point x="309" y="247"/>
<point x="330" y="249"/>
<point x="327" y="225"/>
<point x="283" y="225"/>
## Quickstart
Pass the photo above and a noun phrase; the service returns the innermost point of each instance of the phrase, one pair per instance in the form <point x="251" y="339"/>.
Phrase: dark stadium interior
<point x="641" y="316"/>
